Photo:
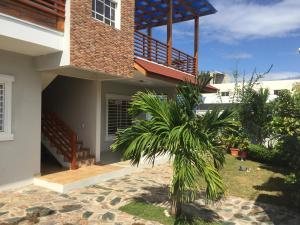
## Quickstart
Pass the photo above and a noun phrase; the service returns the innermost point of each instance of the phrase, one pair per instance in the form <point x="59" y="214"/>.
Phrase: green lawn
<point x="156" y="213"/>
<point x="261" y="183"/>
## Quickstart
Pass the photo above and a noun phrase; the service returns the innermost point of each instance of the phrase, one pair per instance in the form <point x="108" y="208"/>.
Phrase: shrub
<point x="265" y="155"/>
<point x="285" y="128"/>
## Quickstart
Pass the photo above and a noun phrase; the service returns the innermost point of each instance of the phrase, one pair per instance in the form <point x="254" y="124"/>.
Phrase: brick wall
<point x="99" y="47"/>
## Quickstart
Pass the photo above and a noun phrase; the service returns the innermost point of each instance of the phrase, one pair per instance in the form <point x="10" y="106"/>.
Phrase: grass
<point x="156" y="213"/>
<point x="262" y="183"/>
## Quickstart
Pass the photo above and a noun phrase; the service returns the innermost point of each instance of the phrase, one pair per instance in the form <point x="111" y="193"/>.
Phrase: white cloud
<point x="238" y="55"/>
<point x="282" y="75"/>
<point x="244" y="19"/>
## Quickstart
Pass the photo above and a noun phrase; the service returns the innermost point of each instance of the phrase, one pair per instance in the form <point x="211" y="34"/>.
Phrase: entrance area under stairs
<point x="61" y="146"/>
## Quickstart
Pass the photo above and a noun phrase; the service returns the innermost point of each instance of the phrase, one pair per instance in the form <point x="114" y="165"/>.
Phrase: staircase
<point x="63" y="143"/>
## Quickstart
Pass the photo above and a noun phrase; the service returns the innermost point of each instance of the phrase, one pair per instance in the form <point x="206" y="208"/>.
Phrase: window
<point x="225" y="93"/>
<point x="105" y="11"/>
<point x="5" y="107"/>
<point x="117" y="114"/>
<point x="277" y="92"/>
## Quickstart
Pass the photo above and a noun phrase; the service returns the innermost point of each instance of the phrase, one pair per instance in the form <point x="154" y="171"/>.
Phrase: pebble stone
<point x="108" y="216"/>
<point x="87" y="214"/>
<point x="115" y="201"/>
<point x="100" y="199"/>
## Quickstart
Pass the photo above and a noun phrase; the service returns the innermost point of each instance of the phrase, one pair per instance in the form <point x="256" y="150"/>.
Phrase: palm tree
<point x="191" y="141"/>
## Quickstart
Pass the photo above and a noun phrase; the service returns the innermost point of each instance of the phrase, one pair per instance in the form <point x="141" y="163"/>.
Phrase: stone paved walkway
<point x="99" y="204"/>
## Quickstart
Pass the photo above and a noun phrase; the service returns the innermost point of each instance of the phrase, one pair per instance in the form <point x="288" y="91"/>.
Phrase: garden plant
<point x="191" y="141"/>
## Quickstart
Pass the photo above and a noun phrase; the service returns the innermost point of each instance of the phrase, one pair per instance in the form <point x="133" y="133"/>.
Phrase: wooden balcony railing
<point x="50" y="13"/>
<point x="61" y="137"/>
<point x="54" y="7"/>
<point x="156" y="51"/>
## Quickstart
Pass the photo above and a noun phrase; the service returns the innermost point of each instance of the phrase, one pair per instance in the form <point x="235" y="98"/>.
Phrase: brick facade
<point x="99" y="47"/>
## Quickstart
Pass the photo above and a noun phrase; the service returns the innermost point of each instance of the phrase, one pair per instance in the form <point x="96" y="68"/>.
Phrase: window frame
<point x="117" y="20"/>
<point x="7" y="80"/>
<point x="110" y="137"/>
<point x="277" y="91"/>
<point x="226" y="93"/>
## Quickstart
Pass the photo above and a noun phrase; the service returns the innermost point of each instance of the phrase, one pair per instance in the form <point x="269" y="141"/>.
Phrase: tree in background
<point x="254" y="111"/>
<point x="174" y="129"/>
<point x="296" y="94"/>
<point x="285" y="127"/>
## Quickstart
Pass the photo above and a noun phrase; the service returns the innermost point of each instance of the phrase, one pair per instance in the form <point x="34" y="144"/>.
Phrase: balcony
<point x="168" y="61"/>
<point x="156" y="51"/>
<point x="47" y="13"/>
<point x="32" y="27"/>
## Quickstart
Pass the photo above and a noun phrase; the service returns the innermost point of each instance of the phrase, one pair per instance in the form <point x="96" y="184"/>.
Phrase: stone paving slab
<point x="99" y="204"/>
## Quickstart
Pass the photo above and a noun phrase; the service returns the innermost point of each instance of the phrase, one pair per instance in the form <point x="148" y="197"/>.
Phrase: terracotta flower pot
<point x="234" y="152"/>
<point x="243" y="154"/>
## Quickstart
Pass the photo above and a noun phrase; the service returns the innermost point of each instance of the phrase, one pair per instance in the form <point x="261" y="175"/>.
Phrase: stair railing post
<point x="74" y="165"/>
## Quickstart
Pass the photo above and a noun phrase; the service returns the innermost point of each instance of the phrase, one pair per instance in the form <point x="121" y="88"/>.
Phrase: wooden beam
<point x="188" y="5"/>
<point x="196" y="44"/>
<point x="141" y="27"/>
<point x="60" y="22"/>
<point x="169" y="32"/>
<point x="149" y="32"/>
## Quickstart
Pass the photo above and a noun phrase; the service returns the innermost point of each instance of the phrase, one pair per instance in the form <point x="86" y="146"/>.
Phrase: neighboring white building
<point x="226" y="90"/>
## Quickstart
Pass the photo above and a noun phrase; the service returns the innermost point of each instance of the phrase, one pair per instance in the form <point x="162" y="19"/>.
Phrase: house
<point x="226" y="89"/>
<point x="69" y="68"/>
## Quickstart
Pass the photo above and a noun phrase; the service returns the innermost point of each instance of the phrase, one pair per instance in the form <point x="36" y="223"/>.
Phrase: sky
<point x="247" y="35"/>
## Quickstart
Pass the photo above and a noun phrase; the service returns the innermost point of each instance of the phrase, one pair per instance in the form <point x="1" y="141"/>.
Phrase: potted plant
<point x="234" y="145"/>
<point x="243" y="147"/>
<point x="238" y="146"/>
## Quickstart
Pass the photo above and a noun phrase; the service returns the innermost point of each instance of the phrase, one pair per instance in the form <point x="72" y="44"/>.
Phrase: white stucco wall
<point x="28" y="38"/>
<point x="20" y="158"/>
<point x="74" y="100"/>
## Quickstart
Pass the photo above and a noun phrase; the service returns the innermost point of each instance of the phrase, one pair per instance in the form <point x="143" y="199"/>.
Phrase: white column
<point x="98" y="121"/>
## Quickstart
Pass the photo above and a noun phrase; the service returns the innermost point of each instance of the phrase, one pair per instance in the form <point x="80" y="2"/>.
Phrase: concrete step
<point x="86" y="162"/>
<point x="83" y="153"/>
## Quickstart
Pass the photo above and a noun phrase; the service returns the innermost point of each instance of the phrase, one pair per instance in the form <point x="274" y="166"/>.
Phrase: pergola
<point x="153" y="13"/>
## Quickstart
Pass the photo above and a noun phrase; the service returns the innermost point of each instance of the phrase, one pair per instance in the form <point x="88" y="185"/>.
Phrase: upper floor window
<point x="105" y="11"/>
<point x="225" y="93"/>
<point x="5" y="107"/>
<point x="277" y="92"/>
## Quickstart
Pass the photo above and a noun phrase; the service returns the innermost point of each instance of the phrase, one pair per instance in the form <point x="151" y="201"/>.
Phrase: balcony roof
<point x="152" y="13"/>
<point x="157" y="71"/>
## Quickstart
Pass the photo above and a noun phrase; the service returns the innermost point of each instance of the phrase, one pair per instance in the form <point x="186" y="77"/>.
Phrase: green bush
<point x="265" y="155"/>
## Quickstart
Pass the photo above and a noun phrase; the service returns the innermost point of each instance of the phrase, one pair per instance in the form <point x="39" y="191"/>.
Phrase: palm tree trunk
<point x="176" y="208"/>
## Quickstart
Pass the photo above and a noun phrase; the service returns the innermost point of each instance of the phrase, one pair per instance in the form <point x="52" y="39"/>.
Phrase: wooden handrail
<point x="54" y="8"/>
<point x="61" y="136"/>
<point x="42" y="5"/>
<point x="74" y="165"/>
<point x="156" y="51"/>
